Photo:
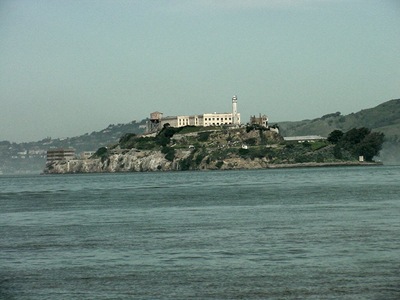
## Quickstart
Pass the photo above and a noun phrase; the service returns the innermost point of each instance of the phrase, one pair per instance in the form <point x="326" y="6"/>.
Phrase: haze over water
<point x="321" y="233"/>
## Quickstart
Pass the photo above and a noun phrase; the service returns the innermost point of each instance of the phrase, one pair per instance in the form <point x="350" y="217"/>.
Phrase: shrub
<point x="219" y="164"/>
<point x="199" y="158"/>
<point x="184" y="164"/>
<point x="101" y="152"/>
<point x="251" y="141"/>
<point x="145" y="143"/>
<point x="244" y="152"/>
<point x="203" y="136"/>
<point x="337" y="152"/>
<point x="126" y="138"/>
<point x="318" y="145"/>
<point x="169" y="153"/>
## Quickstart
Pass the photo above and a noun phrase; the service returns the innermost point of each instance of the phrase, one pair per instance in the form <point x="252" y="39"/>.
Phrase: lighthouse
<point x="235" y="119"/>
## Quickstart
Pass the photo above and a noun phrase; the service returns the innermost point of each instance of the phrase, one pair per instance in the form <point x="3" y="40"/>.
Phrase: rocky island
<point x="223" y="148"/>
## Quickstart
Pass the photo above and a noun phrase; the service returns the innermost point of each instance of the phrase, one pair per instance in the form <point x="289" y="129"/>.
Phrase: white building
<point x="206" y="119"/>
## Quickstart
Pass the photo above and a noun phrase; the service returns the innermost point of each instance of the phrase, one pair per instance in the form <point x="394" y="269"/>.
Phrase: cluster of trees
<point x="358" y="142"/>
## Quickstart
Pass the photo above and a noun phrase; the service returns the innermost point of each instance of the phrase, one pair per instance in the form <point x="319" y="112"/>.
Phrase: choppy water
<point x="324" y="233"/>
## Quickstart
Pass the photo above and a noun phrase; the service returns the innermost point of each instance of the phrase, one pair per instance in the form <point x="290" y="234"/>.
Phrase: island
<point x="223" y="147"/>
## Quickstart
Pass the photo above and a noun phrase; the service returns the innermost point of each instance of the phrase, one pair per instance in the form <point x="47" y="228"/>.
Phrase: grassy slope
<point x="383" y="118"/>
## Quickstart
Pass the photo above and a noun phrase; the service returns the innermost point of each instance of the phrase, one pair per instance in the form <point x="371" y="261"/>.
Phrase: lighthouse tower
<point x="235" y="119"/>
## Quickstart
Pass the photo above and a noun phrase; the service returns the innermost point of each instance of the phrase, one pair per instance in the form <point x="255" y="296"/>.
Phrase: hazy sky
<point x="71" y="67"/>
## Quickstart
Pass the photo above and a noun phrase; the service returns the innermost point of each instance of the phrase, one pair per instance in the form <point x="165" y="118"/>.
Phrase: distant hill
<point x="383" y="118"/>
<point x="17" y="158"/>
<point x="22" y="158"/>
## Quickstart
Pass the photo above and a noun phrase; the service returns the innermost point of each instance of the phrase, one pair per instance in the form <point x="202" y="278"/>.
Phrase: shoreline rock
<point x="155" y="161"/>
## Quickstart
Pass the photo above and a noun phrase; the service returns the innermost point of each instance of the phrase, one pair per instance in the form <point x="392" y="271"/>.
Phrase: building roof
<point x="304" y="138"/>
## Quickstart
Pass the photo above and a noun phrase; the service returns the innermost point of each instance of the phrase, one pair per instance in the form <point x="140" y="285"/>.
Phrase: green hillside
<point x="384" y="118"/>
<point x="30" y="157"/>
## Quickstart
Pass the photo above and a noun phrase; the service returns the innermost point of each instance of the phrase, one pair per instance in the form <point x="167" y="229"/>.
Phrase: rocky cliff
<point x="177" y="149"/>
<point x="194" y="148"/>
<point x="148" y="161"/>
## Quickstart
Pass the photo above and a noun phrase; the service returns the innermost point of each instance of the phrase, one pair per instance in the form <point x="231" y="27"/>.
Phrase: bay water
<point x="306" y="233"/>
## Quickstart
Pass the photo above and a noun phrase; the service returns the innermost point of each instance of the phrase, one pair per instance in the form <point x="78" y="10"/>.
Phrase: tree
<point x="370" y="145"/>
<point x="335" y="136"/>
<point x="354" y="136"/>
<point x="362" y="141"/>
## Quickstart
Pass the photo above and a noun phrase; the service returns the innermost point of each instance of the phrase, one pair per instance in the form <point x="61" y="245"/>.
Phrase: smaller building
<point x="154" y="123"/>
<point x="305" y="138"/>
<point x="180" y="121"/>
<point x="261" y="120"/>
<point x="60" y="154"/>
<point x="87" y="154"/>
<point x="218" y="119"/>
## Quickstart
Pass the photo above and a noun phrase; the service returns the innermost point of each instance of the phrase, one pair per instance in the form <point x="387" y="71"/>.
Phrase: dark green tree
<point x="335" y="136"/>
<point x="370" y="145"/>
<point x="363" y="142"/>
<point x="354" y="136"/>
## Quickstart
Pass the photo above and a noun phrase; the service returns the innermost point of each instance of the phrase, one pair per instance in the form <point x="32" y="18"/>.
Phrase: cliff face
<point x="132" y="161"/>
<point x="149" y="161"/>
<point x="174" y="150"/>
<point x="194" y="148"/>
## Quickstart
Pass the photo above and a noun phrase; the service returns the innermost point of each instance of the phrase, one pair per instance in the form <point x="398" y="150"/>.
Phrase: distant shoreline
<point x="317" y="165"/>
<point x="270" y="166"/>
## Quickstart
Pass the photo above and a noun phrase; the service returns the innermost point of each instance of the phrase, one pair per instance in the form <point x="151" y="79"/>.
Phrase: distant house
<point x="60" y="154"/>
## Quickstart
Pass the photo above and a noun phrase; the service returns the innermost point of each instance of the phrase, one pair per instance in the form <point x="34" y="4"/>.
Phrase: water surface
<point x="320" y="233"/>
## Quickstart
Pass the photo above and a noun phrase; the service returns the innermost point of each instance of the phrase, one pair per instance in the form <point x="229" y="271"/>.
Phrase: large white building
<point x="206" y="119"/>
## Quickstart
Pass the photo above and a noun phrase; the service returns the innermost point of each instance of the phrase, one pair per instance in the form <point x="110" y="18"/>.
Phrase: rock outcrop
<point x="191" y="148"/>
<point x="131" y="161"/>
<point x="149" y="161"/>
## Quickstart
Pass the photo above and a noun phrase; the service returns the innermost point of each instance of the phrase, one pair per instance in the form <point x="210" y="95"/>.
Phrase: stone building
<point x="157" y="121"/>
<point x="260" y="120"/>
<point x="60" y="154"/>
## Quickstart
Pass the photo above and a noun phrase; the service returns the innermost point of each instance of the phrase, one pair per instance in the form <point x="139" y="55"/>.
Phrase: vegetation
<point x="101" y="153"/>
<point x="335" y="136"/>
<point x="384" y="118"/>
<point x="169" y="153"/>
<point x="359" y="142"/>
<point x="214" y="147"/>
<point x="203" y="136"/>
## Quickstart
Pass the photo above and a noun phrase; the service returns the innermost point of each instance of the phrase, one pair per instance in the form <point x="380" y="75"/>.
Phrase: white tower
<point x="235" y="118"/>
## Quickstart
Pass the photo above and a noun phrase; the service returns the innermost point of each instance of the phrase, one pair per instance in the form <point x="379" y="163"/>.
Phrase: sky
<point x="72" y="67"/>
